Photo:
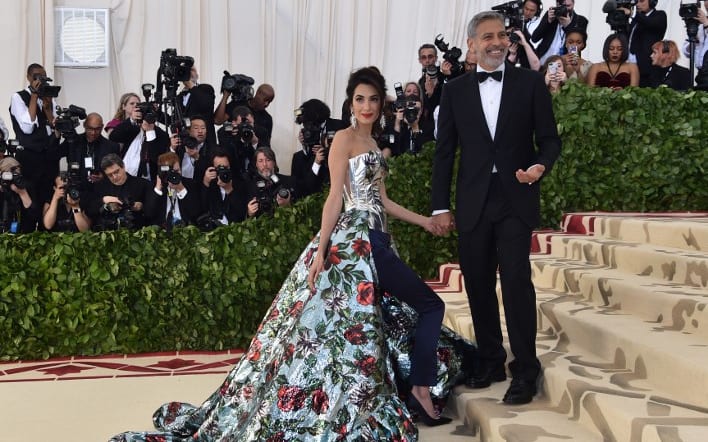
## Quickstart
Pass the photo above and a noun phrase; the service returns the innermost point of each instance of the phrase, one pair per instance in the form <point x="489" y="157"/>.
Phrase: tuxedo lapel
<point x="507" y="97"/>
<point x="475" y="110"/>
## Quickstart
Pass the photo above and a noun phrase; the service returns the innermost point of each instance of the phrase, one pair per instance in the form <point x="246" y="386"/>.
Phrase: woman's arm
<point x="592" y="74"/>
<point x="400" y="212"/>
<point x="633" y="74"/>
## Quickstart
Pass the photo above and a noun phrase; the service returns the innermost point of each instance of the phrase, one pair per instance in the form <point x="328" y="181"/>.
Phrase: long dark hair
<point x="372" y="76"/>
<point x="623" y="41"/>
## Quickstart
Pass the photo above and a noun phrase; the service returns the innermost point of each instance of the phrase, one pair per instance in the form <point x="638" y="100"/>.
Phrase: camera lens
<point x="284" y="193"/>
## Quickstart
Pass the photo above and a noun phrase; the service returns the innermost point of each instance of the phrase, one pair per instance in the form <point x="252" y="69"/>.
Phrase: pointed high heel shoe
<point x="415" y="405"/>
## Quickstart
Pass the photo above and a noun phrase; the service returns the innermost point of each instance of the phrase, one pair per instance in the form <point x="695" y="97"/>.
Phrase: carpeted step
<point x="668" y="306"/>
<point x="660" y="263"/>
<point x="668" y="361"/>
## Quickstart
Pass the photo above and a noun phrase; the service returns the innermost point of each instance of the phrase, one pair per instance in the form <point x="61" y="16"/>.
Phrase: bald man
<point x="265" y="94"/>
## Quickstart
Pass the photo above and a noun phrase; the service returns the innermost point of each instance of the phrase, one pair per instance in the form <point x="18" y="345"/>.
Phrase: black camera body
<point x="513" y="12"/>
<point x="617" y="19"/>
<point x="451" y="55"/>
<point x="409" y="105"/>
<point x="224" y="174"/>
<point x="9" y="178"/>
<point x="311" y="134"/>
<point x="72" y="181"/>
<point x="175" y="67"/>
<point x="689" y="10"/>
<point x="561" y="10"/>
<point x="46" y="90"/>
<point x="240" y="86"/>
<point x="10" y="147"/>
<point x="245" y="131"/>
<point x="149" y="112"/>
<point x="68" y="119"/>
<point x="168" y="175"/>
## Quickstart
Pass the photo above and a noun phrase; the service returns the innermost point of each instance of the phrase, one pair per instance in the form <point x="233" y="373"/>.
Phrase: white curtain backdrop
<point x="304" y="48"/>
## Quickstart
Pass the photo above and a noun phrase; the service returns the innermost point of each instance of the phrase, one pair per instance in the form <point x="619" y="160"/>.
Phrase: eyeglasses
<point x="113" y="173"/>
<point x="94" y="129"/>
<point x="427" y="57"/>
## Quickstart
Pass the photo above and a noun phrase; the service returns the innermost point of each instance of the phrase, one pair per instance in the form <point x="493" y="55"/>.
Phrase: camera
<point x="10" y="147"/>
<point x="689" y="10"/>
<point x="617" y="19"/>
<point x="181" y="128"/>
<point x="148" y="111"/>
<point x="561" y="10"/>
<point x="264" y="197"/>
<point x="72" y="181"/>
<point x="451" y="55"/>
<point x="8" y="178"/>
<point x="408" y="104"/>
<point x="175" y="67"/>
<point x="240" y="86"/>
<point x="246" y="131"/>
<point x="513" y="13"/>
<point x="311" y="134"/>
<point x="312" y="115"/>
<point x="67" y="120"/>
<point x="116" y="216"/>
<point x="46" y="90"/>
<point x="168" y="175"/>
<point x="224" y="174"/>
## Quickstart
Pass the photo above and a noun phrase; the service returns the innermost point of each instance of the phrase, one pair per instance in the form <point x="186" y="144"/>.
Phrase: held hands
<point x="530" y="175"/>
<point x="442" y="224"/>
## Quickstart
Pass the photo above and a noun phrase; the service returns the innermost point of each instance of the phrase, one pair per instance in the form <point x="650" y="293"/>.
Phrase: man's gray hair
<point x="479" y="18"/>
<point x="110" y="160"/>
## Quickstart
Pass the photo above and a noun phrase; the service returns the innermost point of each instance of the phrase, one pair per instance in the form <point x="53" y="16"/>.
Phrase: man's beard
<point x="493" y="61"/>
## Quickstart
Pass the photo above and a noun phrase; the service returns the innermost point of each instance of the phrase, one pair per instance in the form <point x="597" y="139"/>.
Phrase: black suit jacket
<point x="646" y="30"/>
<point x="525" y="116"/>
<point x="190" y="207"/>
<point x="201" y="102"/>
<point x="126" y="132"/>
<point x="545" y="32"/>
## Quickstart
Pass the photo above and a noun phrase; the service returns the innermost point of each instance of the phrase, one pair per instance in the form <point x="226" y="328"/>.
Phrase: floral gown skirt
<point x="323" y="366"/>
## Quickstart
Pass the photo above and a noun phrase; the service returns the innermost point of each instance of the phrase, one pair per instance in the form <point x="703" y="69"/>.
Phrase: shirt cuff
<point x="316" y="168"/>
<point x="440" y="211"/>
<point x="181" y="194"/>
<point x="157" y="191"/>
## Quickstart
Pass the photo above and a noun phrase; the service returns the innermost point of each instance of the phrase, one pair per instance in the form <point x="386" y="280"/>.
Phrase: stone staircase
<point x="622" y="334"/>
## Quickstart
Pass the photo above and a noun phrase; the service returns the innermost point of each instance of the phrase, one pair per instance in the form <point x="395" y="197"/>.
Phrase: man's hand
<point x="530" y="175"/>
<point x="283" y="201"/>
<point x="319" y="152"/>
<point x="444" y="223"/>
<point x="564" y="21"/>
<point x="446" y="67"/>
<point x="209" y="176"/>
<point x="252" y="207"/>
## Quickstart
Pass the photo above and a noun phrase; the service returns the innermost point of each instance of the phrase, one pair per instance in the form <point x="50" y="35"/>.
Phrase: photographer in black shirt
<point x="19" y="208"/>
<point x="410" y="129"/>
<point x="223" y="193"/>
<point x="175" y="200"/>
<point x="269" y="189"/>
<point x="62" y="213"/>
<point x="239" y="138"/>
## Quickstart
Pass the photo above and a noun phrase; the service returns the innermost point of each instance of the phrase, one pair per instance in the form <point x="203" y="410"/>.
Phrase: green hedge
<point x="129" y="292"/>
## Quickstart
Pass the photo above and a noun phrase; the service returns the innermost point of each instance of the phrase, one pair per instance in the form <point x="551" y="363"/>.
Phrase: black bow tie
<point x="496" y="75"/>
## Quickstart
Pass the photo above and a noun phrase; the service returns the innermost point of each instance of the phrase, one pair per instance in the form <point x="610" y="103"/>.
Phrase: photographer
<point x="409" y="129"/>
<point x="19" y="213"/>
<point x="62" y="213"/>
<point x="145" y="141"/>
<point x="117" y="201"/>
<point x="532" y="17"/>
<point x="702" y="36"/>
<point x="309" y="164"/>
<point x="521" y="53"/>
<point x="197" y="99"/>
<point x="269" y="188"/>
<point x="551" y="30"/>
<point x="648" y="26"/>
<point x="431" y="82"/>
<point x="32" y="114"/>
<point x="175" y="200"/>
<point x="239" y="139"/>
<point x="242" y="95"/>
<point x="87" y="150"/>
<point x="193" y="148"/>
<point x="223" y="193"/>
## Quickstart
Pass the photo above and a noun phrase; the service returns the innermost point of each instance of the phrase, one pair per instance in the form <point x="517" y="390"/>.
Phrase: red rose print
<point x="291" y="398"/>
<point x="444" y="355"/>
<point x="367" y="365"/>
<point x="254" y="351"/>
<point x="296" y="309"/>
<point x="308" y="257"/>
<point x="355" y="335"/>
<point x="365" y="293"/>
<point x="247" y="392"/>
<point x="273" y="314"/>
<point x="288" y="354"/>
<point x="333" y="257"/>
<point x="361" y="247"/>
<point x="320" y="401"/>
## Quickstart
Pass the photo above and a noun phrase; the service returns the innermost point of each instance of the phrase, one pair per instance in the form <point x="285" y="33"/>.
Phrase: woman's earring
<point x="382" y="121"/>
<point x="352" y="119"/>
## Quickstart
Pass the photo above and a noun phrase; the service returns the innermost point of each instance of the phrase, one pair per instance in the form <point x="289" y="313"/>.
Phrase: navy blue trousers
<point x="400" y="281"/>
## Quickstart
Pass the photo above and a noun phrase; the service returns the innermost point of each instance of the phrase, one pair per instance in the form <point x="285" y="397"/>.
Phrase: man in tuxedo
<point x="549" y="35"/>
<point x="496" y="113"/>
<point x="648" y="27"/>
<point x="197" y="99"/>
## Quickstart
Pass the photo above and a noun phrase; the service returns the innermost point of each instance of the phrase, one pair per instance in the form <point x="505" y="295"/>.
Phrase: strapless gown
<point x="604" y="79"/>
<point x="327" y="365"/>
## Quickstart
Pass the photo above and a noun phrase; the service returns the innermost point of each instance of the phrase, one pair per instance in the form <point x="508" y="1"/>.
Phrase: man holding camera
<point x="32" y="113"/>
<point x="19" y="207"/>
<point x="647" y="27"/>
<point x="409" y="129"/>
<point x="258" y="103"/>
<point x="223" y="193"/>
<point x="309" y="164"/>
<point x="550" y="33"/>
<point x="175" y="200"/>
<point x="430" y="82"/>
<point x="145" y="141"/>
<point x="193" y="148"/>
<point x="118" y="201"/>
<point x="85" y="151"/>
<point x="701" y="46"/>
<point x="240" y="140"/>
<point x="197" y="99"/>
<point x="269" y="188"/>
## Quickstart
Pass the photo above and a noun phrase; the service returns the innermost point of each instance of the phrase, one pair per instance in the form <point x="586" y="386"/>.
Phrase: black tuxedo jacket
<point x="646" y="30"/>
<point x="545" y="31"/>
<point x="525" y="116"/>
<point x="201" y="103"/>
<point x="190" y="207"/>
<point x="126" y="132"/>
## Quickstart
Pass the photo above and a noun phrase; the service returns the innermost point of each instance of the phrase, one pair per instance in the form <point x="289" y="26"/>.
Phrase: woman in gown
<point x="615" y="72"/>
<point x="337" y="346"/>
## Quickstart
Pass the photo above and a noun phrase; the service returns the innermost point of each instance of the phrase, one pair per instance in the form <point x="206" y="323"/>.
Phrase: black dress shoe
<point x="521" y="391"/>
<point x="485" y="378"/>
<point x="415" y="405"/>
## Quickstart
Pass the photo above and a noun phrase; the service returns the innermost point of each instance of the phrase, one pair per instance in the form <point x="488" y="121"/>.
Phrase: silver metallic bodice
<point x="362" y="192"/>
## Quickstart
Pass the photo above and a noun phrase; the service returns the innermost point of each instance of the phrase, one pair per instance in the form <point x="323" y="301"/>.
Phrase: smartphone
<point x="552" y="68"/>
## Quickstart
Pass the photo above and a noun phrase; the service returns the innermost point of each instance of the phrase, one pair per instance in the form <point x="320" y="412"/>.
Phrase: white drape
<point x="304" y="48"/>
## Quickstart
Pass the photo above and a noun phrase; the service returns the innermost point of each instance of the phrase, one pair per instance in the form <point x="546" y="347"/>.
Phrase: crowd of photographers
<point x="162" y="162"/>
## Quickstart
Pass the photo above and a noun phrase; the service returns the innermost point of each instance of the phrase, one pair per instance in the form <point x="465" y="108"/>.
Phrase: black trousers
<point x="501" y="239"/>
<point x="400" y="281"/>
